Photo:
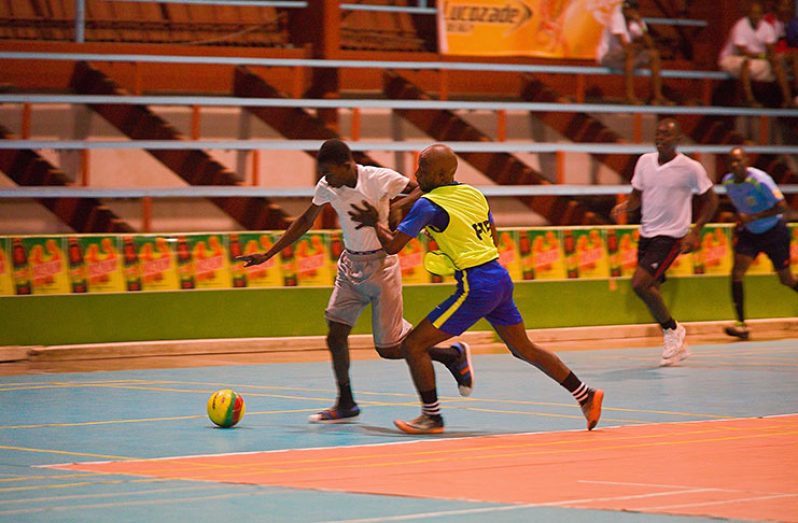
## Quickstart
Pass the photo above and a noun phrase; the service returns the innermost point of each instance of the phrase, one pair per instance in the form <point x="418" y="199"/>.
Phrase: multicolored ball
<point x="226" y="408"/>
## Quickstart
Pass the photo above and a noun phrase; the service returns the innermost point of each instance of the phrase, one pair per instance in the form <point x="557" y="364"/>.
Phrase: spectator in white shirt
<point x="749" y="55"/>
<point x="625" y="44"/>
<point x="785" y="24"/>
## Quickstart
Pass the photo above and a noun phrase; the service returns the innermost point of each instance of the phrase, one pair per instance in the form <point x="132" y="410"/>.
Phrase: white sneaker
<point x="675" y="347"/>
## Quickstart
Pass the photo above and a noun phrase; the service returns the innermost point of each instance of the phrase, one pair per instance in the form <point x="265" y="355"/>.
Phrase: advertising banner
<point x="541" y="255"/>
<point x="102" y="262"/>
<point x="542" y="28"/>
<point x="267" y="274"/>
<point x="209" y="259"/>
<point x="39" y="266"/>
<point x="157" y="263"/>
<point x="587" y="248"/>
<point x="6" y="287"/>
<point x="625" y="258"/>
<point x="715" y="254"/>
<point x="312" y="260"/>
<point x="509" y="256"/>
<point x="411" y="259"/>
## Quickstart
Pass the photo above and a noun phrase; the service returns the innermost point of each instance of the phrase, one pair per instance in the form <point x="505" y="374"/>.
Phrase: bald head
<point x="437" y="165"/>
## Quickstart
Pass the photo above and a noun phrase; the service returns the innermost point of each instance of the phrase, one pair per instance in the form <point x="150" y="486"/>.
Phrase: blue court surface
<point x="146" y="414"/>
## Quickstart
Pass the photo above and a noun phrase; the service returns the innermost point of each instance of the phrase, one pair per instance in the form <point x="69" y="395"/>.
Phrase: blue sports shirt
<point x="756" y="194"/>
<point x="424" y="213"/>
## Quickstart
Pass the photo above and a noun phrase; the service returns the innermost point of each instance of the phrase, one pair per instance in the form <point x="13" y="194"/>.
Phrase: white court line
<point x="723" y="502"/>
<point x="145" y="502"/>
<point x="110" y="494"/>
<point x="660" y="485"/>
<point x="565" y="503"/>
<point x="414" y="441"/>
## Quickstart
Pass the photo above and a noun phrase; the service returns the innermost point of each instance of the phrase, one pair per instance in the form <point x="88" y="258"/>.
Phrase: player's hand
<point x="690" y="242"/>
<point x="252" y="259"/>
<point x="745" y="218"/>
<point x="619" y="210"/>
<point x="365" y="217"/>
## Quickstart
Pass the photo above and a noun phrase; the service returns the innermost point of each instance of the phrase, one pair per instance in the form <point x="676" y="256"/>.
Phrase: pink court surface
<point x="741" y="469"/>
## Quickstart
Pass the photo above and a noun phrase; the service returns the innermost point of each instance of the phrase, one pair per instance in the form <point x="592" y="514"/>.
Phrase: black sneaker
<point x="424" y="424"/>
<point x="335" y="415"/>
<point x="462" y="370"/>
<point x="738" y="330"/>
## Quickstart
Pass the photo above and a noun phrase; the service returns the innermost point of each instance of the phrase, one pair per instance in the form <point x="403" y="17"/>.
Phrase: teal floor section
<point x="64" y="418"/>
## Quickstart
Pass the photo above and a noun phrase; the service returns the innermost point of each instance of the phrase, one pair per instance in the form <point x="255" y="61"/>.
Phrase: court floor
<point x="716" y="438"/>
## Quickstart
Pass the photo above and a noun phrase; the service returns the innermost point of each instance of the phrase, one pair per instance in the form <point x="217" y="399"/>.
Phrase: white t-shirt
<point x="667" y="193"/>
<point x="617" y="26"/>
<point x="745" y="36"/>
<point x="375" y="185"/>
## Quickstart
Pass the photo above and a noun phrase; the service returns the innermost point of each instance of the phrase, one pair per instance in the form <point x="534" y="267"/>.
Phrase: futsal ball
<point x="225" y="408"/>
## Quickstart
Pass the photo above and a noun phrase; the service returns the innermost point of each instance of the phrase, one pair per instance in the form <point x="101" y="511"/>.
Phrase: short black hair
<point x="631" y="4"/>
<point x="335" y="152"/>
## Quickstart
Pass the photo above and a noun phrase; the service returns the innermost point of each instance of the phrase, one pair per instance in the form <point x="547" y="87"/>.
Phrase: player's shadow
<point x="374" y="430"/>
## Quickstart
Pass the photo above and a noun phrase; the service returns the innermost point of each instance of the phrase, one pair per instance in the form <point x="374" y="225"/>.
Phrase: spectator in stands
<point x="625" y="44"/>
<point x="785" y="23"/>
<point x="749" y="55"/>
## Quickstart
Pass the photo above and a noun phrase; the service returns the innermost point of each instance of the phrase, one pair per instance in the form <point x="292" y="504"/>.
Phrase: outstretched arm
<point x="295" y="231"/>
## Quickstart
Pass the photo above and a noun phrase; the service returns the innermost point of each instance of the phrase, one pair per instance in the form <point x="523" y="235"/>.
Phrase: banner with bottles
<point x="79" y="264"/>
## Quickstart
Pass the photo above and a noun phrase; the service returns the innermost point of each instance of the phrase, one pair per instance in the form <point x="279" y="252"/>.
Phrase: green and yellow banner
<point x="79" y="264"/>
<point x="541" y="28"/>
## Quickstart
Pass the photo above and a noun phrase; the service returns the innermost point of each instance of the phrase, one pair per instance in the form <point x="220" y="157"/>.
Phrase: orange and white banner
<point x="543" y="28"/>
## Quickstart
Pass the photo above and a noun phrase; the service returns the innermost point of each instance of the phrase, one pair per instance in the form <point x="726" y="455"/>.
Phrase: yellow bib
<point x="467" y="240"/>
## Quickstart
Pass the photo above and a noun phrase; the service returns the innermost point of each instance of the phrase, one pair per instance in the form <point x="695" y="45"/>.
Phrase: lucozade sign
<point x="543" y="28"/>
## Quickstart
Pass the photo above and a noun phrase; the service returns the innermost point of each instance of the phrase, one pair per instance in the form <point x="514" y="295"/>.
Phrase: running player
<point x="760" y="211"/>
<point x="458" y="218"/>
<point x="366" y="273"/>
<point x="663" y="185"/>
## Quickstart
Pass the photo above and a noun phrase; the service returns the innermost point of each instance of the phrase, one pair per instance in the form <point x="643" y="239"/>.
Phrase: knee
<point x="640" y="287"/>
<point x="390" y="353"/>
<point x="409" y="350"/>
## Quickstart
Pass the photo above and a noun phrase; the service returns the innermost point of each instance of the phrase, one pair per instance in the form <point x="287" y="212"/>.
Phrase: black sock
<point x="345" y="398"/>
<point x="670" y="324"/>
<point x="737" y="298"/>
<point x="576" y="387"/>
<point x="429" y="402"/>
<point x="795" y="287"/>
<point x="445" y="355"/>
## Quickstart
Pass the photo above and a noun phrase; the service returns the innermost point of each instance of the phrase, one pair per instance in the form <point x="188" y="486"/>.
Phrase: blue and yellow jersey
<point x="459" y="222"/>
<point x="756" y="194"/>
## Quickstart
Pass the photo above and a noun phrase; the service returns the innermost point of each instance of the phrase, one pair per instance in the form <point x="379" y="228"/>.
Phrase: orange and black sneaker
<point x="591" y="408"/>
<point x="424" y="424"/>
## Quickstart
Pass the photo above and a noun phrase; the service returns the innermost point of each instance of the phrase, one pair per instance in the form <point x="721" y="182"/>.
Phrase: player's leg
<point x="654" y="257"/>
<point x="416" y="351"/>
<point x="777" y="249"/>
<point x="742" y="261"/>
<point x="516" y="339"/>
<point x="343" y="310"/>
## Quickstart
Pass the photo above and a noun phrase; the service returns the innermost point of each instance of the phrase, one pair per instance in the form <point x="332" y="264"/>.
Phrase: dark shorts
<point x="774" y="242"/>
<point x="656" y="254"/>
<point x="486" y="292"/>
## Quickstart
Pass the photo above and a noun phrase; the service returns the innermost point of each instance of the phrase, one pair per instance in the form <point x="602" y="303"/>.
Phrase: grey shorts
<point x="374" y="279"/>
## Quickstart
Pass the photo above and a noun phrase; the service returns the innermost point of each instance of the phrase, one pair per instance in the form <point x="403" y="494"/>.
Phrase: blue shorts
<point x="485" y="291"/>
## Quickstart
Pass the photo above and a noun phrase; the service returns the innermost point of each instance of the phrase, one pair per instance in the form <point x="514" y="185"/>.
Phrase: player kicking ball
<point x="366" y="275"/>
